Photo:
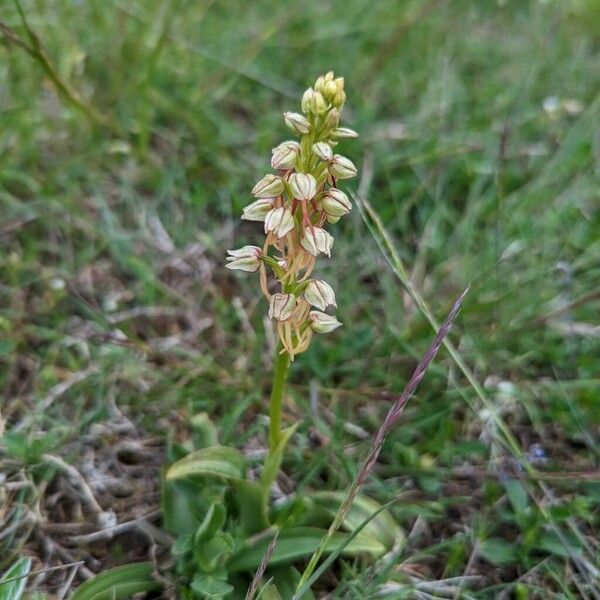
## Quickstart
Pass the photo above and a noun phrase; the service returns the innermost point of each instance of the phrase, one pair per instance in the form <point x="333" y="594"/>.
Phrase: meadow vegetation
<point x="131" y="134"/>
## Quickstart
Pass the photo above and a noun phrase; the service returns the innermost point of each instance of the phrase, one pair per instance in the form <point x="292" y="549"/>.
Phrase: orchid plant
<point x="296" y="204"/>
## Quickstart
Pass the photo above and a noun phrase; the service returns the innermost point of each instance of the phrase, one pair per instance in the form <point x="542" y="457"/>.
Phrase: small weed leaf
<point x="498" y="551"/>
<point x="210" y="586"/>
<point x="118" y="583"/>
<point x="215" y="461"/>
<point x="517" y="495"/>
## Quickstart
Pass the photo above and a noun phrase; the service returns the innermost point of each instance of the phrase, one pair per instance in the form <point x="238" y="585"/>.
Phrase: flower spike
<point x="297" y="204"/>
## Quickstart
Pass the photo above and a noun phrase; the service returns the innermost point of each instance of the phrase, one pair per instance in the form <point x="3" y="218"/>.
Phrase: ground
<point x="121" y="192"/>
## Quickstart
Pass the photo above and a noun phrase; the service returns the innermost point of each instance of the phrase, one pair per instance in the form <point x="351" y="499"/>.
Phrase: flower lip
<point x="246" y="258"/>
<point x="304" y="186"/>
<point x="321" y="322"/>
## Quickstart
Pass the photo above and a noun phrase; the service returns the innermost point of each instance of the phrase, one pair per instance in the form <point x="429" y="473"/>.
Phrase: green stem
<point x="282" y="364"/>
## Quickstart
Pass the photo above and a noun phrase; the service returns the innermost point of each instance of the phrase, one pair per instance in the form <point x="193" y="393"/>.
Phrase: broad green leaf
<point x="273" y="461"/>
<point x="338" y="551"/>
<point x="215" y="461"/>
<point x="178" y="509"/>
<point x="118" y="583"/>
<point x="250" y="500"/>
<point x="382" y="527"/>
<point x="210" y="586"/>
<point x="299" y="542"/>
<point x="498" y="551"/>
<point x="13" y="582"/>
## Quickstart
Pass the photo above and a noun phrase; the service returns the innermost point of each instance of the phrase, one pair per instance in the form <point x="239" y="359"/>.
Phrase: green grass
<point x="474" y="181"/>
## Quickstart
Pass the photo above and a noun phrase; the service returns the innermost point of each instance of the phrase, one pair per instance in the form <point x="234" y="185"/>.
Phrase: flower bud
<point x="246" y="258"/>
<point x="304" y="186"/>
<point x="268" y="187"/>
<point x="318" y="104"/>
<point x="329" y="90"/>
<point x="307" y="100"/>
<point x="296" y="122"/>
<point x="323" y="151"/>
<point x="319" y="84"/>
<point x="329" y="76"/>
<point x="280" y="221"/>
<point x="332" y="119"/>
<point x="342" y="167"/>
<point x="339" y="83"/>
<point x="335" y="203"/>
<point x="316" y="240"/>
<point x="320" y="294"/>
<point x="339" y="98"/>
<point x="344" y="132"/>
<point x="281" y="306"/>
<point x="321" y="322"/>
<point x="285" y="155"/>
<point x="258" y="209"/>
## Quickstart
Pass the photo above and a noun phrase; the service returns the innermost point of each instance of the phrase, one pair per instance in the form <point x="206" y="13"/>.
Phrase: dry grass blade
<point x="390" y="421"/>
<point x="262" y="568"/>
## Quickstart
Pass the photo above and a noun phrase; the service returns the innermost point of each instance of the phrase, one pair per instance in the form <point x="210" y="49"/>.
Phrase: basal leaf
<point x="299" y="542"/>
<point x="214" y="461"/>
<point x="250" y="499"/>
<point x="118" y="583"/>
<point x="382" y="527"/>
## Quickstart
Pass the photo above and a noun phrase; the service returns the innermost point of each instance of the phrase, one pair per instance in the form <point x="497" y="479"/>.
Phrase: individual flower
<point x="258" y="209"/>
<point x="344" y="132"/>
<point x="335" y="203"/>
<point x="321" y="322"/>
<point x="306" y="103"/>
<point x="268" y="187"/>
<point x="332" y="119"/>
<point x="317" y="240"/>
<point x="323" y="151"/>
<point x="342" y="167"/>
<point x="304" y="186"/>
<point x="281" y="306"/>
<point x="280" y="221"/>
<point x="318" y="104"/>
<point x="296" y="122"/>
<point x="285" y="155"/>
<point x="246" y="258"/>
<point x="320" y="294"/>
